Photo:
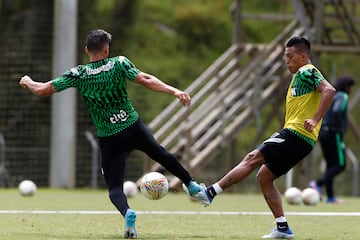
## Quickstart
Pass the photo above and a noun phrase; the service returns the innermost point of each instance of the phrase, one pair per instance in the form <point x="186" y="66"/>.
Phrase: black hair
<point x="343" y="82"/>
<point x="97" y="39"/>
<point x="301" y="44"/>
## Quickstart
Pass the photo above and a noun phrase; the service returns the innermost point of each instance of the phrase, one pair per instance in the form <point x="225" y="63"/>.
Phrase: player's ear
<point x="106" y="50"/>
<point x="304" y="57"/>
<point x="86" y="50"/>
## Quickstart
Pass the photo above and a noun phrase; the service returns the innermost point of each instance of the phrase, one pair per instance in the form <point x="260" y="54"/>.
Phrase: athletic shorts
<point x="283" y="150"/>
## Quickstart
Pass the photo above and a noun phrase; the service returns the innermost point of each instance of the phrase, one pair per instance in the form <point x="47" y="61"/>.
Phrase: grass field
<point x="88" y="214"/>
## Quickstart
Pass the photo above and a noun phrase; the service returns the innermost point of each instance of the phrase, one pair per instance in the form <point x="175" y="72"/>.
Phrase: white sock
<point x="280" y="219"/>
<point x="217" y="188"/>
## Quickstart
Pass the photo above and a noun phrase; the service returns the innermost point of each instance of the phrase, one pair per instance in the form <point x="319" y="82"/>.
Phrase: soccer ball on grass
<point x="154" y="185"/>
<point x="27" y="188"/>
<point x="310" y="196"/>
<point x="130" y="189"/>
<point x="293" y="196"/>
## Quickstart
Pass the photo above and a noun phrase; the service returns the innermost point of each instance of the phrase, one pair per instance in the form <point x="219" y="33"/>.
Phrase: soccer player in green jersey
<point x="103" y="85"/>
<point x="308" y="98"/>
<point x="332" y="134"/>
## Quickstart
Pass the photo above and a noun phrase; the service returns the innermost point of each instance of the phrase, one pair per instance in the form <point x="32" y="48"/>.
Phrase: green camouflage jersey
<point x="103" y="86"/>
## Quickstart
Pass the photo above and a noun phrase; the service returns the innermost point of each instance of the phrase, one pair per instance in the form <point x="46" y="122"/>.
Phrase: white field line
<point x="348" y="214"/>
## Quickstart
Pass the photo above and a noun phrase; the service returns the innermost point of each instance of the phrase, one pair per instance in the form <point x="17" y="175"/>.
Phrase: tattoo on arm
<point x="229" y="181"/>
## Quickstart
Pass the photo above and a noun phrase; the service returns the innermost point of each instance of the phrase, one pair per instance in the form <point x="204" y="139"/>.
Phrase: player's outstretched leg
<point x="130" y="230"/>
<point x="198" y="192"/>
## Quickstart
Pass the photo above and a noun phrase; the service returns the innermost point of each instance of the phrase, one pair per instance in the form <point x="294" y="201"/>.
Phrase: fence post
<point x="355" y="163"/>
<point x="94" y="159"/>
<point x="4" y="176"/>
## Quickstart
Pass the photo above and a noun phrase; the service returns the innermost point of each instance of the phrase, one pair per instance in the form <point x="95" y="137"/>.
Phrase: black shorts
<point x="283" y="150"/>
<point x="115" y="150"/>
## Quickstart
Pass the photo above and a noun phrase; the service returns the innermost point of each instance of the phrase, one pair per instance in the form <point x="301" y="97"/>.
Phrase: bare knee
<point x="265" y="176"/>
<point x="253" y="159"/>
<point x="261" y="179"/>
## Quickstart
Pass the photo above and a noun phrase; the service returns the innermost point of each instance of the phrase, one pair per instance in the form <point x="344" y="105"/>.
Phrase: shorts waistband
<point x="303" y="137"/>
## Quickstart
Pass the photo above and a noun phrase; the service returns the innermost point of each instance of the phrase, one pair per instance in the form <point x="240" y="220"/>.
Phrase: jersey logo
<point x="74" y="71"/>
<point x="122" y="116"/>
<point x="103" y="68"/>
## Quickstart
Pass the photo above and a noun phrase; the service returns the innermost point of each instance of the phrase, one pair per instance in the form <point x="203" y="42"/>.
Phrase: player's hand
<point x="24" y="81"/>
<point x="310" y="124"/>
<point x="183" y="97"/>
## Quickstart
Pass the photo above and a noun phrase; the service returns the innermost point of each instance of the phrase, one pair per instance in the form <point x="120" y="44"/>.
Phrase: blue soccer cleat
<point x="130" y="230"/>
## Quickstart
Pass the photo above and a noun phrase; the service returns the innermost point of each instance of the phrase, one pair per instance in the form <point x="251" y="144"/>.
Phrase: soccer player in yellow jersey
<point x="308" y="98"/>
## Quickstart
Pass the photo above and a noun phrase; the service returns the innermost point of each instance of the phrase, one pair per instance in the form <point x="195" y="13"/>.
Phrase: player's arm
<point x="327" y="93"/>
<point x="38" y="88"/>
<point x="155" y="84"/>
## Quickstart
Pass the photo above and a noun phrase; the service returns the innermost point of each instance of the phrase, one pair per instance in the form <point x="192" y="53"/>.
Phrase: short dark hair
<point x="97" y="39"/>
<point x="301" y="44"/>
<point x="343" y="82"/>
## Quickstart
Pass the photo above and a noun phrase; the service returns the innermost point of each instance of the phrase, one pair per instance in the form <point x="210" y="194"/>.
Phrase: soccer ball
<point x="310" y="196"/>
<point x="130" y="189"/>
<point x="27" y="188"/>
<point x="293" y="196"/>
<point x="154" y="185"/>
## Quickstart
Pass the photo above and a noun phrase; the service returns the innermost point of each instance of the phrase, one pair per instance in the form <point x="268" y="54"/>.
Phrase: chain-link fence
<point x="26" y="39"/>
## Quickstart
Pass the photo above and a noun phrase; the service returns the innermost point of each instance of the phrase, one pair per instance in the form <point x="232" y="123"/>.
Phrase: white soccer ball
<point x="27" y="188"/>
<point x="293" y="196"/>
<point x="130" y="189"/>
<point x="154" y="185"/>
<point x="310" y="196"/>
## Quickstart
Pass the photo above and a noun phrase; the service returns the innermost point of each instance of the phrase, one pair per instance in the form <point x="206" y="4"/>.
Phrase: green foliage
<point x="200" y="26"/>
<point x="175" y="41"/>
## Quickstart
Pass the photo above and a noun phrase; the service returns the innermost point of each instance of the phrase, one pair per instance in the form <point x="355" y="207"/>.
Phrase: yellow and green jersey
<point x="103" y="86"/>
<point x="302" y="102"/>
